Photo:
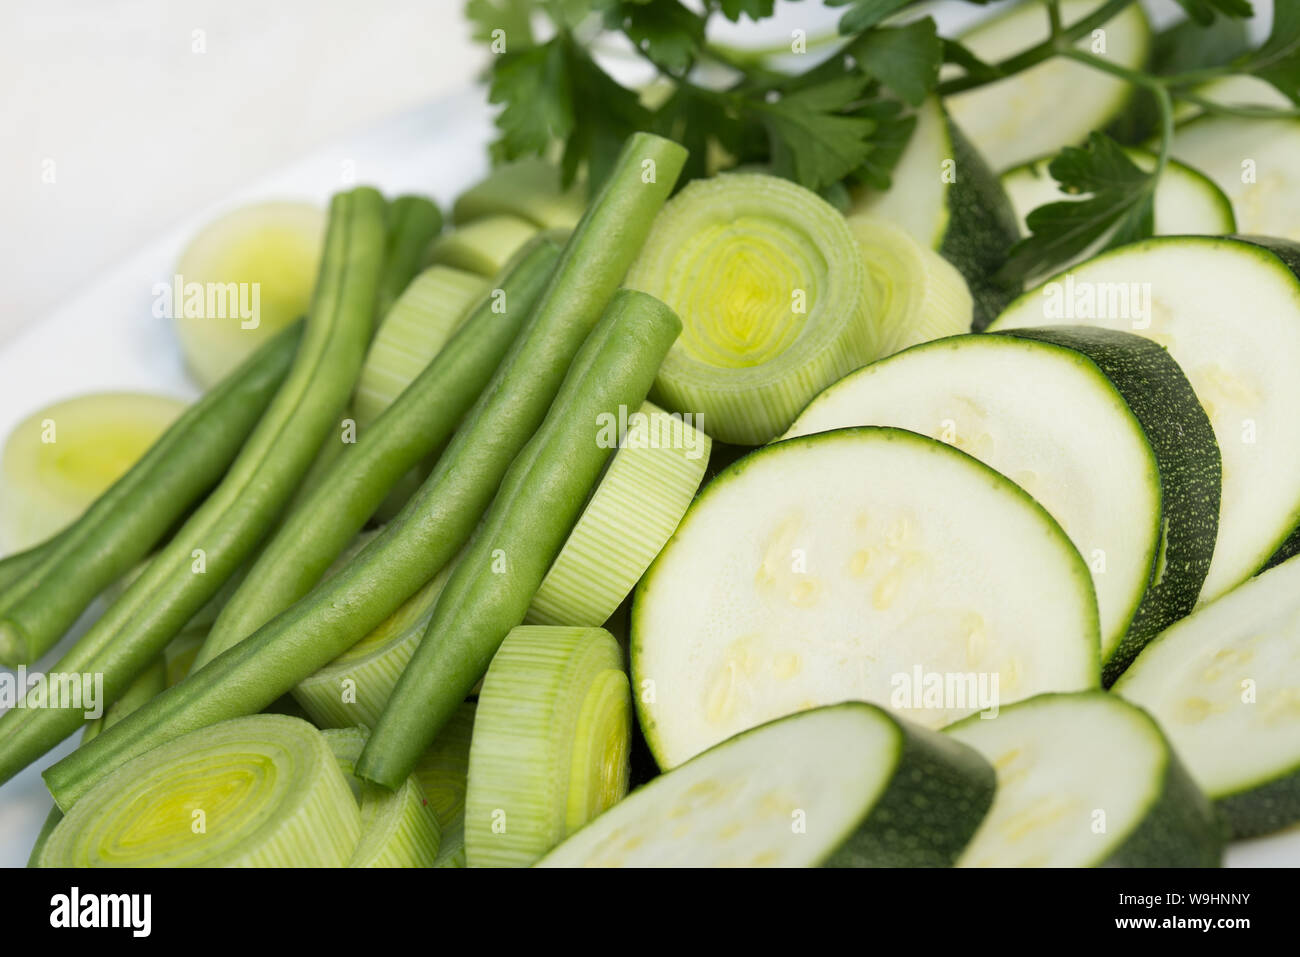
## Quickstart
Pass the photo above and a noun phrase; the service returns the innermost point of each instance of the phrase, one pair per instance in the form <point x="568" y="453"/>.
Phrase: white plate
<point x="107" y="338"/>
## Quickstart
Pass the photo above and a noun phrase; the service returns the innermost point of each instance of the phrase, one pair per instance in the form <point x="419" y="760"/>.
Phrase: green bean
<point x="413" y="222"/>
<point x="441" y="516"/>
<point x="140" y="508"/>
<point x="224" y="531"/>
<point x="540" y="499"/>
<point x="14" y="569"/>
<point x="420" y="421"/>
<point x="150" y="682"/>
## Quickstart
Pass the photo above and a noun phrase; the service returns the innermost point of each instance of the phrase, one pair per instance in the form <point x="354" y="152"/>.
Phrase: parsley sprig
<point x="846" y="118"/>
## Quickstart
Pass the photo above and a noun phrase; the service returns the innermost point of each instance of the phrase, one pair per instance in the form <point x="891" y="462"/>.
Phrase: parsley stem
<point x="1051" y="47"/>
<point x="1158" y="87"/>
<point x="1242" y="110"/>
<point x="1054" y="18"/>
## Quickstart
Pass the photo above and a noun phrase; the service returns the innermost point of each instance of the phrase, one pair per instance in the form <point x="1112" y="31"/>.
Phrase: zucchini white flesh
<point x="1225" y="685"/>
<point x="1133" y="478"/>
<point x="1057" y="103"/>
<point x="855" y="565"/>
<point x="1086" y="780"/>
<point x="1254" y="162"/>
<point x="1228" y="311"/>
<point x="1238" y="89"/>
<point x="946" y="197"/>
<point x="842" y="786"/>
<point x="1187" y="202"/>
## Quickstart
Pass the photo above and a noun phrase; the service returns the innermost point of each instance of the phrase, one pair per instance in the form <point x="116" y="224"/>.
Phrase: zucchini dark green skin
<point x="1262" y="809"/>
<point x="1187" y="457"/>
<point x="982" y="228"/>
<point x="936" y="799"/>
<point x="1289" y="253"/>
<point x="1161" y="839"/>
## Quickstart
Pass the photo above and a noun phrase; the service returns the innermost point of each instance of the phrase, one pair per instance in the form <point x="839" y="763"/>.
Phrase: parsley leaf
<point x="906" y="59"/>
<point x="893" y="129"/>
<point x="1278" y="60"/>
<point x="514" y="17"/>
<point x="812" y="141"/>
<point x="605" y="114"/>
<point x="1204" y="11"/>
<point x="1119" y="204"/>
<point x="865" y="13"/>
<point x="535" y="87"/>
<point x="754" y="9"/>
<point x="665" y="31"/>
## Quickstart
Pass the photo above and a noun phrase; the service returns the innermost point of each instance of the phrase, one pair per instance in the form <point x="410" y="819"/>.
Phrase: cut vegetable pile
<point x="904" y="514"/>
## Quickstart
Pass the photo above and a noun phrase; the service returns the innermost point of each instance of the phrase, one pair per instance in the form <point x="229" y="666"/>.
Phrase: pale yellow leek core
<point x="769" y="284"/>
<point x="261" y="791"/>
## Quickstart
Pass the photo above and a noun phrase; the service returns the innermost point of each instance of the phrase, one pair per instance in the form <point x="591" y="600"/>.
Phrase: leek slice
<point x="642" y="497"/>
<point x="551" y="745"/>
<point x="261" y="791"/>
<point x="483" y="246"/>
<point x="769" y="284"/>
<point x="61" y="458"/>
<point x="398" y="828"/>
<point x="531" y="189"/>
<point x="263" y="256"/>
<point x="151" y="682"/>
<point x="913" y="294"/>
<point x="354" y="687"/>
<point x="443" y="773"/>
<point x="424" y="317"/>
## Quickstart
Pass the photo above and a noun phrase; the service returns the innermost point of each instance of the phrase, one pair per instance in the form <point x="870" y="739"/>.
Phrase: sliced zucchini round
<point x="1101" y="427"/>
<point x="847" y="785"/>
<point x="1086" y="780"/>
<point x="1235" y="89"/>
<point x="946" y="198"/>
<point x="1187" y="202"/>
<point x="1254" y="162"/>
<point x="1225" y="685"/>
<point x="1056" y="103"/>
<point x="1228" y="311"/>
<point x="839" y="566"/>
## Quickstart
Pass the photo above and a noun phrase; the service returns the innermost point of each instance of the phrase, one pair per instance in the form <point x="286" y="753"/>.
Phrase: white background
<point x="142" y="130"/>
